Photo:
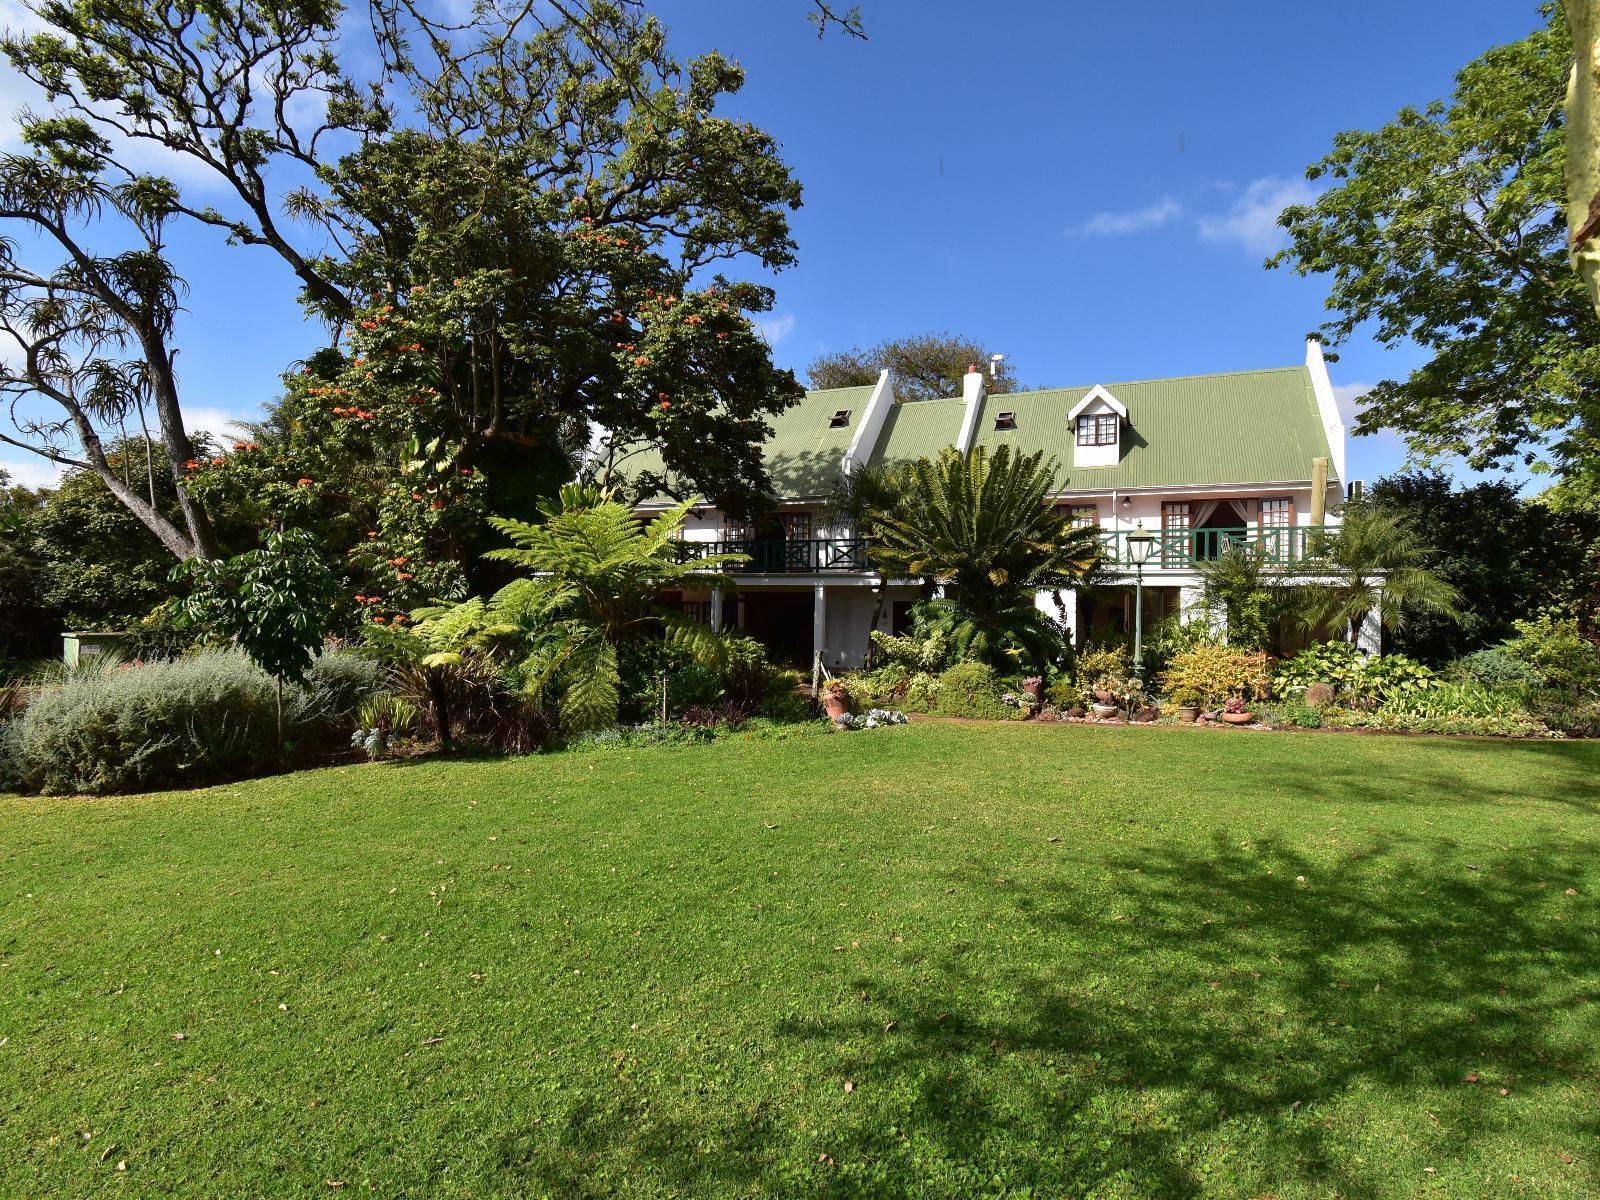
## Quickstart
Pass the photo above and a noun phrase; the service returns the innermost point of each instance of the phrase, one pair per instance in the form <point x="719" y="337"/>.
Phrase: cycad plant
<point x="1376" y="562"/>
<point x="982" y="527"/>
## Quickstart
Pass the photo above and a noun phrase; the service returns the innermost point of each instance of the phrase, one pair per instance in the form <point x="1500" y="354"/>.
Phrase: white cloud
<point x="775" y="329"/>
<point x="33" y="472"/>
<point x="1253" y="220"/>
<point x="1348" y="397"/>
<point x="224" y="426"/>
<point x="1117" y="224"/>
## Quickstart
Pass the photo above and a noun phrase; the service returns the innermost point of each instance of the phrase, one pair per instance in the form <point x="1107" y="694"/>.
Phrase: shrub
<point x="1063" y="694"/>
<point x="1554" y="648"/>
<point x="1561" y="713"/>
<point x="1302" y="716"/>
<point x="886" y="685"/>
<point x="1354" y="677"/>
<point x="1101" y="662"/>
<point x="1208" y="675"/>
<point x="972" y="689"/>
<point x="1519" y="725"/>
<point x="10" y="756"/>
<point x="788" y="707"/>
<point x="187" y="721"/>
<point x="921" y="650"/>
<point x="337" y="685"/>
<point x="922" y="693"/>
<point x="1456" y="700"/>
<point x="1495" y="667"/>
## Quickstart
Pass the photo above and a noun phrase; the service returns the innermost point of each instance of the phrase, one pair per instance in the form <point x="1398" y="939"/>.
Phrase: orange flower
<point x="436" y="506"/>
<point x="405" y="575"/>
<point x="304" y="482"/>
<point x="416" y="495"/>
<point x="666" y="404"/>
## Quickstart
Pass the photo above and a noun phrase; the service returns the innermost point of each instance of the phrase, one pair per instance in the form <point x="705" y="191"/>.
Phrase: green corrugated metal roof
<point x="1240" y="427"/>
<point x="918" y="430"/>
<point x="804" y="453"/>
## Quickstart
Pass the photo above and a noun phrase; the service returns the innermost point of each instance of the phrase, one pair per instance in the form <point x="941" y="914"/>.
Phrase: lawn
<point x="940" y="960"/>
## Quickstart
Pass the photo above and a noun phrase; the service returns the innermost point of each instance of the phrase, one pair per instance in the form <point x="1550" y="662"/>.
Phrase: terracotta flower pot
<point x="1238" y="718"/>
<point x="835" y="704"/>
<point x="1104" y="697"/>
<point x="1034" y="691"/>
<point x="1189" y="712"/>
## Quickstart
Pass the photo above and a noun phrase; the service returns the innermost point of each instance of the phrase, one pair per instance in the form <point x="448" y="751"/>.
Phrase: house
<point x="1202" y="462"/>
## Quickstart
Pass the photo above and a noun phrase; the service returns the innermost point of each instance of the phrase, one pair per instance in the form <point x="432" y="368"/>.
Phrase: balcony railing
<point x="1174" y="549"/>
<point x="1181" y="549"/>
<point x="780" y="556"/>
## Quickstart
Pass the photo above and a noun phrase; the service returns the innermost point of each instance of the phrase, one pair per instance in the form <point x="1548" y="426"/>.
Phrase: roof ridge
<point x="1111" y="387"/>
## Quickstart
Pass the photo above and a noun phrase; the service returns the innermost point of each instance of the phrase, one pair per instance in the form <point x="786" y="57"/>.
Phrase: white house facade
<point x="1203" y="462"/>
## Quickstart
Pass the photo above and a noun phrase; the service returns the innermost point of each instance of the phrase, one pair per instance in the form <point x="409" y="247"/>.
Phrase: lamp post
<point x="1140" y="543"/>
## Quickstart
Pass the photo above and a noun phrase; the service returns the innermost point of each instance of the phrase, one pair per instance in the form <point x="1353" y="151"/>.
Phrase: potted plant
<point x="1033" y="688"/>
<point x="1234" y="714"/>
<point x="1188" y="702"/>
<point x="1105" y="693"/>
<point x="835" y="698"/>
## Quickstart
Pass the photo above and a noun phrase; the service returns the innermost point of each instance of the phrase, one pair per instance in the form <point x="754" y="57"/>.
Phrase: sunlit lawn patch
<point x="941" y="960"/>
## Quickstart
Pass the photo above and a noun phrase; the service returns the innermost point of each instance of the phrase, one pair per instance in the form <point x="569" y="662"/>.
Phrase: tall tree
<point x="1445" y="228"/>
<point x="567" y="120"/>
<point x="926" y="366"/>
<point x="1505" y="556"/>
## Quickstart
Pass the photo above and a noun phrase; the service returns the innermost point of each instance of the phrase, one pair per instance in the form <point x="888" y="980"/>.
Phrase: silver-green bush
<point x="195" y="720"/>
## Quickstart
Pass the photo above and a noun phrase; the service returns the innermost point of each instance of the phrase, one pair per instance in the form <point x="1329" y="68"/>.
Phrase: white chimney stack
<point x="972" y="390"/>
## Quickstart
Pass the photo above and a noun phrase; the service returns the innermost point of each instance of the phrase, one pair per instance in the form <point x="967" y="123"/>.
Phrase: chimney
<point x="972" y="389"/>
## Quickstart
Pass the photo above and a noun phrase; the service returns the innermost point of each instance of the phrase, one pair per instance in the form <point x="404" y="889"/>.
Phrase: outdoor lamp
<point x="1140" y="543"/>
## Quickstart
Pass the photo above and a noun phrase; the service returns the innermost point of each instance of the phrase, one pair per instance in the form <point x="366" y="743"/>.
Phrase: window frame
<point x="1097" y="423"/>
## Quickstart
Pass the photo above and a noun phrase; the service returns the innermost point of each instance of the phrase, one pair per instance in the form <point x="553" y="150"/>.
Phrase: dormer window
<point x="839" y="419"/>
<point x="1005" y="420"/>
<point x="1097" y="429"/>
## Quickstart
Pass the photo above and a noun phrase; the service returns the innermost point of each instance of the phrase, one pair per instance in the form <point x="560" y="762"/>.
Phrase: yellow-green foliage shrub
<point x="1208" y="675"/>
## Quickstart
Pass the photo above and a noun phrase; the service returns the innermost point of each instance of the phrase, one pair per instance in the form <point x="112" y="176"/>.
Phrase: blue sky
<point x="1088" y="188"/>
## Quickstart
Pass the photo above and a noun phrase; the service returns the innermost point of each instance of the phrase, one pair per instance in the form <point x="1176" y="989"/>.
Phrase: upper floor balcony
<point x="1282" y="547"/>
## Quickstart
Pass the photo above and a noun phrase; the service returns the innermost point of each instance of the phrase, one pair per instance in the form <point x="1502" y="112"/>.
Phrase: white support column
<point x="716" y="610"/>
<point x="819" y="623"/>
<point x="1369" y="638"/>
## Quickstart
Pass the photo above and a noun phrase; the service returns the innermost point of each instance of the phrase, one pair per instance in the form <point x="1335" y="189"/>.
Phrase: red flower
<point x="372" y="533"/>
<point x="304" y="482"/>
<point x="436" y="506"/>
<point x="416" y="495"/>
<point x="666" y="404"/>
<point x="466" y="470"/>
<point x="406" y="575"/>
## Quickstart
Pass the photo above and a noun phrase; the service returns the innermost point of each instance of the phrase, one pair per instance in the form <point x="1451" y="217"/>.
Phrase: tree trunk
<point x="279" y="681"/>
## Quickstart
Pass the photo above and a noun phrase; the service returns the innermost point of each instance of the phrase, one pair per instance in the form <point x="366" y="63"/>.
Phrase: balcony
<point x="1174" y="550"/>
<point x="780" y="556"/>
<point x="1182" y="549"/>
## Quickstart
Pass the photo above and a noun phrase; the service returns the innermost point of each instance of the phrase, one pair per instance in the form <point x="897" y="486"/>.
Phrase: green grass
<point x="940" y="960"/>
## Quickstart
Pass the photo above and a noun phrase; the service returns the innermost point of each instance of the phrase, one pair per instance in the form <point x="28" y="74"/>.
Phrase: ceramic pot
<point x="1188" y="712"/>
<point x="1238" y="718"/>
<point x="1104" y="697"/>
<point x="1103" y="711"/>
<point x="835" y="704"/>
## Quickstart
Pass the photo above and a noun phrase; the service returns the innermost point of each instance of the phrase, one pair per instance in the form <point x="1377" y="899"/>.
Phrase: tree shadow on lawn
<point x="1455" y="771"/>
<point x="1312" y="1019"/>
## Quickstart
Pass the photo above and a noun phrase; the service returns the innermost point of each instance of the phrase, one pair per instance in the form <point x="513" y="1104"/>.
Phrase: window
<point x="1277" y="514"/>
<point x="1176" y="518"/>
<point x="1005" y="420"/>
<point x="1081" y="516"/>
<point x="839" y="419"/>
<point x="797" y="526"/>
<point x="1099" y="429"/>
<point x="733" y="531"/>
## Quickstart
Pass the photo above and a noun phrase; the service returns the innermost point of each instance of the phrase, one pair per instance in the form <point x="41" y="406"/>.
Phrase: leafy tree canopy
<point x="927" y="366"/>
<point x="1445" y="228"/>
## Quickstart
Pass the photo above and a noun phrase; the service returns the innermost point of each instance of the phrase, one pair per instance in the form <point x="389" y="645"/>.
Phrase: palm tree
<point x="983" y="527"/>
<point x="597" y="572"/>
<point x="1375" y="562"/>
